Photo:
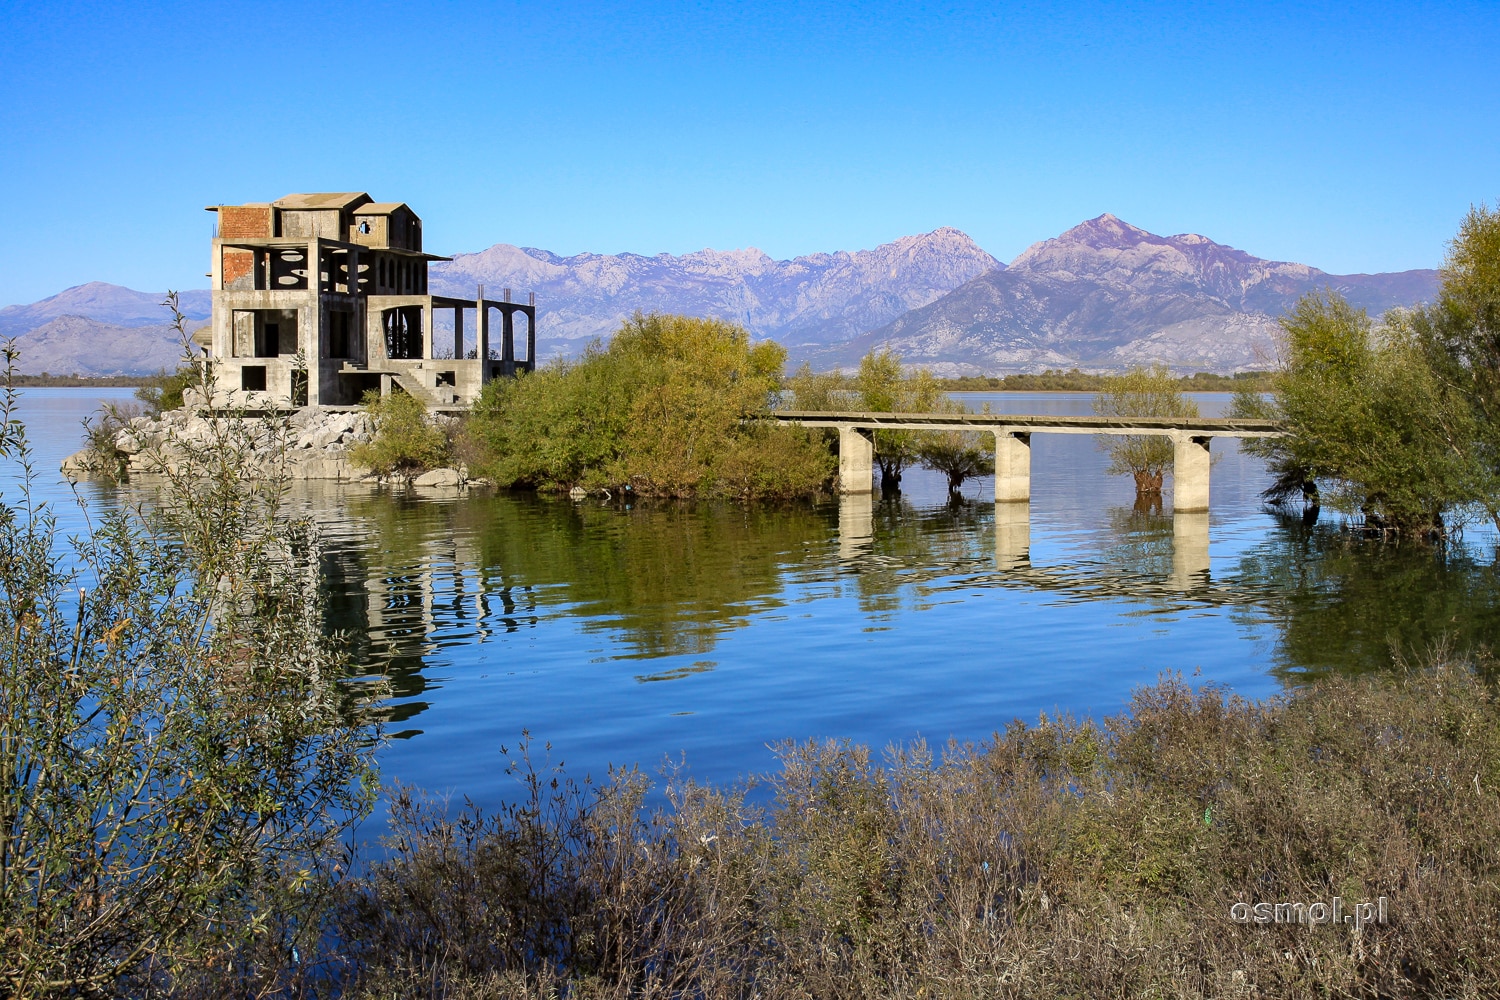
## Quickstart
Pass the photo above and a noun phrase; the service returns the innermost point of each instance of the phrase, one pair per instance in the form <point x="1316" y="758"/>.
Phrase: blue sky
<point x="1353" y="140"/>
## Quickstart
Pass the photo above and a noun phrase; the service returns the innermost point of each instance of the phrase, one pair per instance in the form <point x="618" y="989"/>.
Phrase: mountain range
<point x="824" y="298"/>
<point x="1103" y="295"/>
<point x="1106" y="295"/>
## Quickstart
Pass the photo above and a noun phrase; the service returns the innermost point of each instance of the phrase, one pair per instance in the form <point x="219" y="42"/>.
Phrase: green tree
<point x="666" y="409"/>
<point x="1369" y="419"/>
<point x="884" y="385"/>
<point x="1142" y="392"/>
<point x="806" y="389"/>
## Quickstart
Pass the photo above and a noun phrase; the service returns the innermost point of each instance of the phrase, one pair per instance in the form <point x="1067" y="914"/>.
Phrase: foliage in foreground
<point x="1061" y="860"/>
<point x="406" y="441"/>
<point x="1398" y="422"/>
<point x="1142" y="392"/>
<point x="176" y="778"/>
<point x="659" y="411"/>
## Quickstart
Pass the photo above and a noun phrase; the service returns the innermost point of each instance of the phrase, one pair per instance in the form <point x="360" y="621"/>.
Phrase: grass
<point x="1063" y="859"/>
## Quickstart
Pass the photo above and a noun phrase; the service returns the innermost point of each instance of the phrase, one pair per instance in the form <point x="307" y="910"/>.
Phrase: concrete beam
<point x="856" y="460"/>
<point x="1012" y="466"/>
<point x="1190" y="469"/>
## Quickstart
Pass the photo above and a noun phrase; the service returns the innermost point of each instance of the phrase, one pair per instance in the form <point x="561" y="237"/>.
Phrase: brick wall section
<point x="238" y="222"/>
<point x="237" y="264"/>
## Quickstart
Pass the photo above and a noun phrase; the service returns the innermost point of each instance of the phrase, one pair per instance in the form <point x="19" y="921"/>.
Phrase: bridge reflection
<point x="1147" y="555"/>
<point x="517" y="584"/>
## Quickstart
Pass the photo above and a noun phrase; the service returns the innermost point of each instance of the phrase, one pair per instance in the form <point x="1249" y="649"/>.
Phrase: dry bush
<point x="1065" y="859"/>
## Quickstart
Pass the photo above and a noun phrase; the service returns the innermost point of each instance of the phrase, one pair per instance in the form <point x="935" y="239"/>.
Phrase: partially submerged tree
<point x="1142" y="392"/>
<point x="959" y="455"/>
<point x="884" y="385"/>
<point x="1369" y="419"/>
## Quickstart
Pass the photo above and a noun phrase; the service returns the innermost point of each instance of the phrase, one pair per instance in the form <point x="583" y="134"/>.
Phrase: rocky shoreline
<point x="317" y="445"/>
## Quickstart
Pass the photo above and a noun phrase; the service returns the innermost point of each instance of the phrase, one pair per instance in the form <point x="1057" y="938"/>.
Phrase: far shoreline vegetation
<point x="46" y="380"/>
<point x="1075" y="380"/>
<point x="1052" y="380"/>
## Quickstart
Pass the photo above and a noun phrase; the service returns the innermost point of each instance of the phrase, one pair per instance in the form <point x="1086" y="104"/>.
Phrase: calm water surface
<point x="634" y="634"/>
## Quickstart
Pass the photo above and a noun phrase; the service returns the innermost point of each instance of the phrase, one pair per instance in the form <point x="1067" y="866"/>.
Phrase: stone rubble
<point x="318" y="446"/>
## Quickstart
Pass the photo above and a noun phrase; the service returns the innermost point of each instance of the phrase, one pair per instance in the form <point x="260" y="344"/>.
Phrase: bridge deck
<point x="1035" y="423"/>
<point x="1191" y="439"/>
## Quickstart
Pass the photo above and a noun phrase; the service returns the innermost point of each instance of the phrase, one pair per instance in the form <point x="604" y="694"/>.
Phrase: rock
<point x="439" y="477"/>
<point x="127" y="443"/>
<point x="80" y="462"/>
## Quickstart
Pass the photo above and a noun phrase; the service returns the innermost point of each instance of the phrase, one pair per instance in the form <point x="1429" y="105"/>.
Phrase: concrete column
<point x="482" y="338"/>
<point x="531" y="339"/>
<point x="458" y="333"/>
<point x="856" y="460"/>
<point x="1189" y="550"/>
<point x="1190" y="464"/>
<point x="429" y="330"/>
<point x="856" y="524"/>
<point x="1012" y="535"/>
<point x="508" y="340"/>
<point x="1012" y="466"/>
<point x="312" y="345"/>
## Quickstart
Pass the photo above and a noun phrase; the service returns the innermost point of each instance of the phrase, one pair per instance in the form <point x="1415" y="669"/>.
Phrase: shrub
<point x="883" y="385"/>
<point x="666" y="409"/>
<point x="1063" y="859"/>
<point x="177" y="775"/>
<point x="406" y="440"/>
<point x="164" y="390"/>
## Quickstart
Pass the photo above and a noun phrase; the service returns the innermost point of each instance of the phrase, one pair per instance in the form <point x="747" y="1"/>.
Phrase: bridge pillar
<point x="856" y="460"/>
<point x="1012" y="466"/>
<point x="856" y="524"/>
<point x="1190" y="550"/>
<point x="1012" y="535"/>
<point x="1190" y="464"/>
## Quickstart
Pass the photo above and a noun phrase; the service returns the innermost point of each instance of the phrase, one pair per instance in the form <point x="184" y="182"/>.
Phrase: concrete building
<point x="319" y="298"/>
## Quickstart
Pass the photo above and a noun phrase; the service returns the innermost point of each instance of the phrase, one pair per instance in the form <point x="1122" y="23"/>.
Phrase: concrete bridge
<point x="1190" y="438"/>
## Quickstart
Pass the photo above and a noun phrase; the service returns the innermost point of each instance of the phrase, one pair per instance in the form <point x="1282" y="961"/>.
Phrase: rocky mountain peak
<point x="815" y="298"/>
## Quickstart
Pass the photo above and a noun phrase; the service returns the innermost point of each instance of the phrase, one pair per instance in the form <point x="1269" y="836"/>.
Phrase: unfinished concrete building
<point x="320" y="298"/>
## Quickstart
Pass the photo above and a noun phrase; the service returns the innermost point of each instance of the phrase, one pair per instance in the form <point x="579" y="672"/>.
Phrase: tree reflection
<point x="1347" y="605"/>
<point x="407" y="577"/>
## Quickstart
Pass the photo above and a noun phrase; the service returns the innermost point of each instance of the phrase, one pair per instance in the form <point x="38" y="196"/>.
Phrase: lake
<point x="710" y="632"/>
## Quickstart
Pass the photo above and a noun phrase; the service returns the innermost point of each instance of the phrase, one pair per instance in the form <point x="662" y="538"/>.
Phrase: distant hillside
<point x="107" y="303"/>
<point x="818" y="299"/>
<point x="77" y="345"/>
<point x="1106" y="294"/>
